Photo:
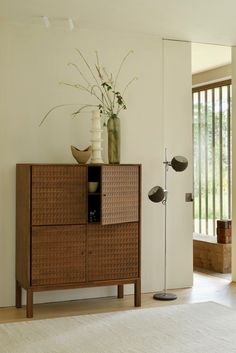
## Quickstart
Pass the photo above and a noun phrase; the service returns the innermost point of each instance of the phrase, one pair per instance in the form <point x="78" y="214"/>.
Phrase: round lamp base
<point x="165" y="296"/>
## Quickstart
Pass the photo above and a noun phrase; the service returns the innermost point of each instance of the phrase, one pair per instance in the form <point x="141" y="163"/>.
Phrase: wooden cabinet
<point x="70" y="237"/>
<point x="58" y="255"/>
<point x="58" y="194"/>
<point x="120" y="193"/>
<point x="113" y="251"/>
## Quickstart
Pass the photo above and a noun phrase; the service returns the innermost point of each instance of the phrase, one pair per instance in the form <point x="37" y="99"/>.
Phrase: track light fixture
<point x="71" y="24"/>
<point x="69" y="21"/>
<point x="46" y="21"/>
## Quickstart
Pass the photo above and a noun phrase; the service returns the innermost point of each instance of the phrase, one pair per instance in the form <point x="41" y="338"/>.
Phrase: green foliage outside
<point x="206" y="146"/>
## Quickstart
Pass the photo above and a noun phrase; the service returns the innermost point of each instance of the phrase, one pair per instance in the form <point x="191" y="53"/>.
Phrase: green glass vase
<point x="113" y="129"/>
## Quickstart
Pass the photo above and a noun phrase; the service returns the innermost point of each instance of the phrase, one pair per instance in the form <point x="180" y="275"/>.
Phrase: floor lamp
<point x="158" y="194"/>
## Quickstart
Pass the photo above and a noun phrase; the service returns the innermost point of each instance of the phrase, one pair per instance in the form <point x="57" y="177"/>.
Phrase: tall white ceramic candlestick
<point x="96" y="139"/>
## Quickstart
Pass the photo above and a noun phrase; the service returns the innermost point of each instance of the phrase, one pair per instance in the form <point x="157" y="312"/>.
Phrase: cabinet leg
<point x="137" y="293"/>
<point x="18" y="295"/>
<point x="120" y="291"/>
<point x="29" y="304"/>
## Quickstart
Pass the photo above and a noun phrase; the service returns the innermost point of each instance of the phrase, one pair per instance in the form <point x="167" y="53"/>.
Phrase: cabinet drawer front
<point x="58" y="195"/>
<point x="113" y="251"/>
<point x="58" y="255"/>
<point x="120" y="194"/>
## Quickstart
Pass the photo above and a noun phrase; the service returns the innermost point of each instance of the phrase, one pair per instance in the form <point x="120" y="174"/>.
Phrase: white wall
<point x="178" y="141"/>
<point x="32" y="62"/>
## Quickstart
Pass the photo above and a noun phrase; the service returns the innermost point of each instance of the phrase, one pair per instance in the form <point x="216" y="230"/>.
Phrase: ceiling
<point x="206" y="57"/>
<point x="211" y="21"/>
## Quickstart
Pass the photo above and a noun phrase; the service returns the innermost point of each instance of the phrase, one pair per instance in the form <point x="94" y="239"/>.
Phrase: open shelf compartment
<point x="94" y="194"/>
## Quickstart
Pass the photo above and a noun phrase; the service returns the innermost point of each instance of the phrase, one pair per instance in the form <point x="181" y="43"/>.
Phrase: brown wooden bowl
<point x="81" y="156"/>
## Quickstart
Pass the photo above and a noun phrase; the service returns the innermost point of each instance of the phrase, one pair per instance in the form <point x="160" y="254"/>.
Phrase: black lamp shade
<point x="156" y="194"/>
<point x="179" y="163"/>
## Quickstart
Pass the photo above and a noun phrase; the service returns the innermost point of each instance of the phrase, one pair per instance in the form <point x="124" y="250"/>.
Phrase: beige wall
<point x="218" y="74"/>
<point x="32" y="62"/>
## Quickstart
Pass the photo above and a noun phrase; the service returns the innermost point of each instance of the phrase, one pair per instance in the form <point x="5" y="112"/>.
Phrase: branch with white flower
<point x="100" y="85"/>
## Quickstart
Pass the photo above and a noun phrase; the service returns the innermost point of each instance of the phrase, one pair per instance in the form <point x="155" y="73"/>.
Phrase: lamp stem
<point x="164" y="295"/>
<point x="165" y="223"/>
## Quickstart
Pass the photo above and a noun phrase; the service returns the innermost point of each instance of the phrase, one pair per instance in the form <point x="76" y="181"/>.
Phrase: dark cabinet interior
<point x="94" y="196"/>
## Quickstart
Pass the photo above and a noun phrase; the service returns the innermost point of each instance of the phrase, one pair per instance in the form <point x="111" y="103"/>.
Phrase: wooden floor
<point x="206" y="288"/>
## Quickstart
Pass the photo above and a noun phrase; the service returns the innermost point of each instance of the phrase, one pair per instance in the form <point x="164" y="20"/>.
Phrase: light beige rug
<point x="192" y="328"/>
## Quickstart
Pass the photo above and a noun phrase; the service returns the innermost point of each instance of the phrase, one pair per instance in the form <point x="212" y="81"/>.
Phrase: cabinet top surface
<point x="74" y="164"/>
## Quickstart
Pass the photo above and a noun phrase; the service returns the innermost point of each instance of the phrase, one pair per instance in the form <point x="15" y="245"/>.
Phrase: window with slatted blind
<point x="212" y="146"/>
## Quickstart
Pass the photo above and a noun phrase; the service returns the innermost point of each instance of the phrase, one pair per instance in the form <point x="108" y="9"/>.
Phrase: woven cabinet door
<point x="59" y="194"/>
<point x="113" y="251"/>
<point x="58" y="255"/>
<point x="120" y="194"/>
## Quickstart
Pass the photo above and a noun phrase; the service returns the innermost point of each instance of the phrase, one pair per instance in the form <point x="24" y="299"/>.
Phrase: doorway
<point x="212" y="158"/>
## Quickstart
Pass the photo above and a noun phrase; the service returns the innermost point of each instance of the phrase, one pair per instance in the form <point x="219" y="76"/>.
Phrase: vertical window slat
<point x="194" y="157"/>
<point x="229" y="148"/>
<point x="213" y="163"/>
<point x="199" y="161"/>
<point x="206" y="160"/>
<point x="220" y="155"/>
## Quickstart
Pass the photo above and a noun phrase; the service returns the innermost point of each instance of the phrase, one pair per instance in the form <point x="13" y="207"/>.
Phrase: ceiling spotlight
<point x="46" y="21"/>
<point x="71" y="24"/>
